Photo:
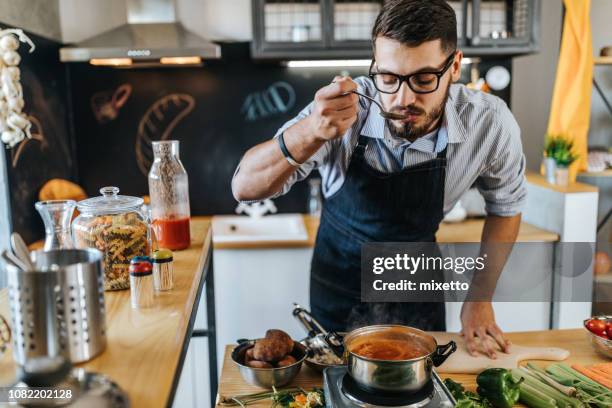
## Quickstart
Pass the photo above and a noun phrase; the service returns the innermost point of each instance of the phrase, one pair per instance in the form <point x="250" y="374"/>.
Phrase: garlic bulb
<point x="14" y="125"/>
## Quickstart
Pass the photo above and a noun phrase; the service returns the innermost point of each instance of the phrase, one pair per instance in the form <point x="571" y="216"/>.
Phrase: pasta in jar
<point x="113" y="225"/>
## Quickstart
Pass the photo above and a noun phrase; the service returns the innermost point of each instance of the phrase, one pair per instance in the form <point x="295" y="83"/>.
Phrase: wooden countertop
<point x="146" y="347"/>
<point x="469" y="230"/>
<point x="574" y="340"/>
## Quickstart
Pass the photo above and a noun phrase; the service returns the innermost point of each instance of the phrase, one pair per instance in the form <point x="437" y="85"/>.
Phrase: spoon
<point x="385" y="114"/>
<point x="14" y="260"/>
<point x="21" y="250"/>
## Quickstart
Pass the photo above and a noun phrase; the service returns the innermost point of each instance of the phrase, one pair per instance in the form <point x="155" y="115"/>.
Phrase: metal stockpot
<point x="395" y="375"/>
<point x="58" y="309"/>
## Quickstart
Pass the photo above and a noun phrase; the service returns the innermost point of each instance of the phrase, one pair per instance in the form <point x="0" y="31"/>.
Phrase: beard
<point x="411" y="131"/>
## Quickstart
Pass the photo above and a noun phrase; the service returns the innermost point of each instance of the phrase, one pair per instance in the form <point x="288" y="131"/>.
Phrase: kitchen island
<point x="575" y="341"/>
<point x="146" y="348"/>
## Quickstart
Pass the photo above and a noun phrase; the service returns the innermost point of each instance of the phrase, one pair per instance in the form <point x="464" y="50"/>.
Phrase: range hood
<point x="152" y="37"/>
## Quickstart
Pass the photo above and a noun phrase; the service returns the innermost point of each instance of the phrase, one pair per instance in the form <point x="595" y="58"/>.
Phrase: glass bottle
<point x="169" y="192"/>
<point x="57" y="215"/>
<point x="314" y="197"/>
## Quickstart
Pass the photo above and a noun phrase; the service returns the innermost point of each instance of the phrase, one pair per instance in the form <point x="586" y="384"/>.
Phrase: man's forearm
<point x="264" y="170"/>
<point x="498" y="237"/>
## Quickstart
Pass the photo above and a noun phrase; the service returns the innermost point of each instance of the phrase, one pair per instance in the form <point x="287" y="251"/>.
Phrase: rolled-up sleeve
<point x="502" y="181"/>
<point x="314" y="162"/>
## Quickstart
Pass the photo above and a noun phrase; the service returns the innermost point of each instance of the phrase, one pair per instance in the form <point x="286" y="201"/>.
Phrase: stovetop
<point x="335" y="396"/>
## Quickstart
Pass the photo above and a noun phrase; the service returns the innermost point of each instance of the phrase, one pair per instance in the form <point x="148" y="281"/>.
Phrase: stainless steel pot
<point x="395" y="375"/>
<point x="268" y="377"/>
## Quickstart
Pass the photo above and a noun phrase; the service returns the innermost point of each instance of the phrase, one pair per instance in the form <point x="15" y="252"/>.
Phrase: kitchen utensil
<point x="602" y="346"/>
<point x="313" y="328"/>
<point x="380" y="375"/>
<point x="320" y="351"/>
<point x="56" y="215"/>
<point x="69" y="386"/>
<point x="12" y="259"/>
<point x="268" y="377"/>
<point x="385" y="114"/>
<point x="34" y="314"/>
<point x="341" y="392"/>
<point x="462" y="362"/>
<point x="169" y="191"/>
<point x="21" y="250"/>
<point x="58" y="308"/>
<point x="113" y="224"/>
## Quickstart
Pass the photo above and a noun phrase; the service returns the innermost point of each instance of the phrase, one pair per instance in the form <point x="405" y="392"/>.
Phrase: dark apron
<point x="374" y="207"/>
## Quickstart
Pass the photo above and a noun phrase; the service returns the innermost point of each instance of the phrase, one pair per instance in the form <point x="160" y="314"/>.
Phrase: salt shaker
<point x="141" y="282"/>
<point x="162" y="261"/>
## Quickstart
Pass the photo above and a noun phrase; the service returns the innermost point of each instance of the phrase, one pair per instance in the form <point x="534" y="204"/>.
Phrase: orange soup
<point x="376" y="347"/>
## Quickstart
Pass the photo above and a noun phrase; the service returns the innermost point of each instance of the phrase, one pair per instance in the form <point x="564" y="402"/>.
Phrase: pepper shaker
<point x="141" y="282"/>
<point x="163" y="277"/>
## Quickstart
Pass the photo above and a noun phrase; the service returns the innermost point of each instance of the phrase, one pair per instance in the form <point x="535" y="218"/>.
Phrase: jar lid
<point x="161" y="255"/>
<point x="109" y="203"/>
<point x="140" y="265"/>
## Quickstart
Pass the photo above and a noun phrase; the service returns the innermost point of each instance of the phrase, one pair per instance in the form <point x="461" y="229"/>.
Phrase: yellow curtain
<point x="571" y="103"/>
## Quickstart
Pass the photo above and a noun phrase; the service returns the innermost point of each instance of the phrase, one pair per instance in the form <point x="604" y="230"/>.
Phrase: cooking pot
<point x="407" y="375"/>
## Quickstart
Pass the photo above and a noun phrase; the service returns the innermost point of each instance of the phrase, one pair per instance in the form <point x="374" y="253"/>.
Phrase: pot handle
<point x="442" y="353"/>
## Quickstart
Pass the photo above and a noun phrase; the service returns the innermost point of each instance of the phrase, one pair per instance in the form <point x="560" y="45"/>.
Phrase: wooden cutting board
<point x="462" y="362"/>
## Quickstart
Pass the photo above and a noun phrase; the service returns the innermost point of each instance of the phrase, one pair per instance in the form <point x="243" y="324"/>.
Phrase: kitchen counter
<point x="469" y="230"/>
<point x="146" y="348"/>
<point x="231" y="383"/>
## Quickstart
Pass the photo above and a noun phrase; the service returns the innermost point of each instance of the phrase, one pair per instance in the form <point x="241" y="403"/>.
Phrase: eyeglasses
<point x="419" y="82"/>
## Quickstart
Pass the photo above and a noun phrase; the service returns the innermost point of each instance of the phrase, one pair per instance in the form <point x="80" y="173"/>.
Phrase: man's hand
<point x="480" y="331"/>
<point x="334" y="110"/>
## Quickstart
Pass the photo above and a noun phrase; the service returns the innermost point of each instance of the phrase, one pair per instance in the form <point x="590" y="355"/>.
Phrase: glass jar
<point x="114" y="225"/>
<point x="56" y="215"/>
<point x="169" y="192"/>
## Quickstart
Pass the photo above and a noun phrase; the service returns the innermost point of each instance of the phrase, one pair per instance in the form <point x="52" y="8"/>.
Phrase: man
<point x="393" y="180"/>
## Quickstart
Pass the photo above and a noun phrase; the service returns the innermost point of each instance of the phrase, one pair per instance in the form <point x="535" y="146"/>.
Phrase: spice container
<point x="114" y="225"/>
<point x="169" y="191"/>
<point x="141" y="282"/>
<point x="163" y="278"/>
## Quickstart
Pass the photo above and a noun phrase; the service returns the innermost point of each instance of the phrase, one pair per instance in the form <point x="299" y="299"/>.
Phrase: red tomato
<point x="609" y="329"/>
<point x="597" y="326"/>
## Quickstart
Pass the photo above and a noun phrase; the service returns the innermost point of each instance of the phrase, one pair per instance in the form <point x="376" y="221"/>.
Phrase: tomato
<point x="597" y="327"/>
<point x="609" y="329"/>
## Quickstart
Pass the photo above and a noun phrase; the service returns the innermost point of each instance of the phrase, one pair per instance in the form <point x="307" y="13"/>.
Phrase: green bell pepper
<point x="498" y="386"/>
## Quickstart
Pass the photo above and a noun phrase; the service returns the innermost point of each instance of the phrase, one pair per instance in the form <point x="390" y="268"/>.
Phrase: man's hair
<point x="413" y="22"/>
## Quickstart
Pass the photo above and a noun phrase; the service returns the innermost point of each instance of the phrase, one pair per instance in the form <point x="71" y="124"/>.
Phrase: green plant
<point x="560" y="149"/>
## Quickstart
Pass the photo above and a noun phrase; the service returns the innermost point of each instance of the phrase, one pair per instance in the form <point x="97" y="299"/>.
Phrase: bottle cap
<point x="161" y="255"/>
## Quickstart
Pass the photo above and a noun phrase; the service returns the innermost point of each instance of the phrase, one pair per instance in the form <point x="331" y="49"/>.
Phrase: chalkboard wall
<point x="49" y="153"/>
<point x="219" y="111"/>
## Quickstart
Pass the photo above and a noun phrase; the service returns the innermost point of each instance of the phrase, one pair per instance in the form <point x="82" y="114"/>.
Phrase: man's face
<point x="422" y="111"/>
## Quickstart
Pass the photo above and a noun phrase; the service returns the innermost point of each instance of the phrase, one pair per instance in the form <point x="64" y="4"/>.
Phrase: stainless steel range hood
<point x="152" y="36"/>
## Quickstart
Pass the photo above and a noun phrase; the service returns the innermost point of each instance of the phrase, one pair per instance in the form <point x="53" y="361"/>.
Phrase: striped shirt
<point x="482" y="136"/>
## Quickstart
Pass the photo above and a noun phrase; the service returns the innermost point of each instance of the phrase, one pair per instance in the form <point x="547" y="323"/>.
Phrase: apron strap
<point x="360" y="148"/>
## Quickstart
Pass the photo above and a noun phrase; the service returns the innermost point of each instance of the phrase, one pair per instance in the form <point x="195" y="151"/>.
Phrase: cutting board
<point x="461" y="362"/>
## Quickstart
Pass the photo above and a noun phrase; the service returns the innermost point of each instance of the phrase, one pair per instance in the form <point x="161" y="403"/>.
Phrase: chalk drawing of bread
<point x="158" y="123"/>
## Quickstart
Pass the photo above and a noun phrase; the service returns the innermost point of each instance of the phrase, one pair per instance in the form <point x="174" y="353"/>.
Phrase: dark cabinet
<point x="339" y="29"/>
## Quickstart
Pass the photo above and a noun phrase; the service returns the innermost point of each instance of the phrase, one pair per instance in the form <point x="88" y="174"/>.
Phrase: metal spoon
<point x="21" y="250"/>
<point x="385" y="114"/>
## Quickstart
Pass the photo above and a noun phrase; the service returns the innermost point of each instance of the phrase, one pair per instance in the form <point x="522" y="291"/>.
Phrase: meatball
<point x="269" y="350"/>
<point x="282" y="338"/>
<point x="286" y="361"/>
<point x="259" y="364"/>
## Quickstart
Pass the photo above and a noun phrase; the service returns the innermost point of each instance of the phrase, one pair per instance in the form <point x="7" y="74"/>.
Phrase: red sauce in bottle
<point x="172" y="233"/>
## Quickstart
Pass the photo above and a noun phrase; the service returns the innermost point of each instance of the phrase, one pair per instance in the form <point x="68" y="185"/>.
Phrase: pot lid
<point x="110" y="202"/>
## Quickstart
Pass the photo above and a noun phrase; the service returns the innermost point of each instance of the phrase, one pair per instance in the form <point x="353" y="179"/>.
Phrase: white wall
<point x="213" y="19"/>
<point x="600" y="133"/>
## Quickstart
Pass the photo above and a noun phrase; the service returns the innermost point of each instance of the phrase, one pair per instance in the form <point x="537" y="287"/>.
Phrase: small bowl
<point x="268" y="377"/>
<point x="602" y="346"/>
<point x="310" y="362"/>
